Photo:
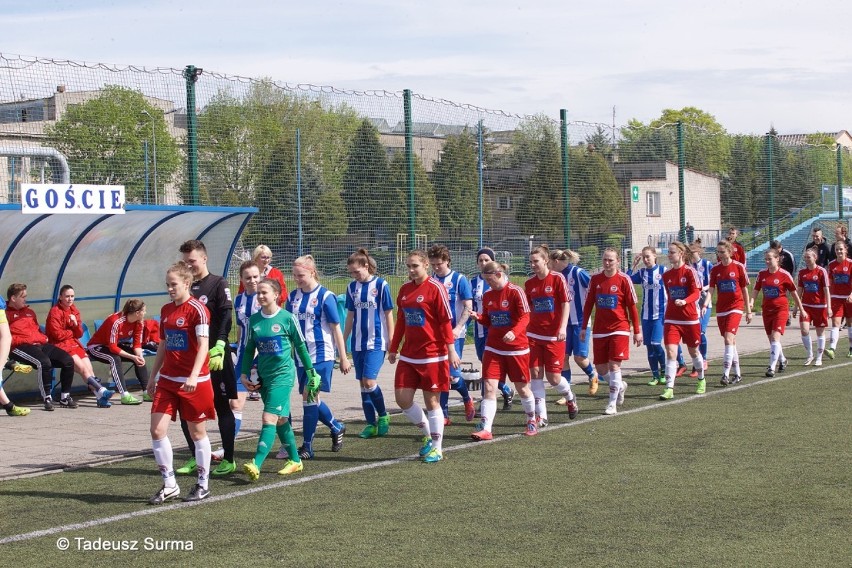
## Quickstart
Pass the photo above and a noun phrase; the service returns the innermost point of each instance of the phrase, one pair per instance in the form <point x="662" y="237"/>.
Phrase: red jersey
<point x="151" y="331"/>
<point x="547" y="298"/>
<point x="839" y="277"/>
<point x="273" y="274"/>
<point x="775" y="286"/>
<point x="181" y="326"/>
<point x="738" y="253"/>
<point x="425" y="320"/>
<point x="503" y="311"/>
<point x="116" y="328"/>
<point x="615" y="299"/>
<point x="730" y="281"/>
<point x="23" y="324"/>
<point x="812" y="285"/>
<point x="682" y="284"/>
<point x="60" y="329"/>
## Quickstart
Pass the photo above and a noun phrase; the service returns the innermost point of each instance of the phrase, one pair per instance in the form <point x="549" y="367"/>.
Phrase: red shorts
<point x="840" y="308"/>
<point x="610" y="348"/>
<point x="818" y="316"/>
<point x="689" y="334"/>
<point x="729" y="323"/>
<point x="516" y="367"/>
<point x="775" y="321"/>
<point x="547" y="354"/>
<point x="73" y="347"/>
<point x="428" y="377"/>
<point x="196" y="406"/>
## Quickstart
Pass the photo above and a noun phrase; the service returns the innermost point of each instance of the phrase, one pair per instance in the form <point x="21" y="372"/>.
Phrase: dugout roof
<point x="110" y="258"/>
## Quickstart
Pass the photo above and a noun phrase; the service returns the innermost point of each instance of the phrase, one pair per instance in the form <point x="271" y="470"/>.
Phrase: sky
<point x="751" y="64"/>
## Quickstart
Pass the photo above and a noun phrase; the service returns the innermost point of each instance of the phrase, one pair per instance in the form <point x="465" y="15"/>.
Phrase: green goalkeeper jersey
<point x="274" y="338"/>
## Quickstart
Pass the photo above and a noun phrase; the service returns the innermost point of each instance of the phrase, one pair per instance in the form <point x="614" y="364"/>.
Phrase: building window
<point x="653" y="203"/>
<point x="504" y="203"/>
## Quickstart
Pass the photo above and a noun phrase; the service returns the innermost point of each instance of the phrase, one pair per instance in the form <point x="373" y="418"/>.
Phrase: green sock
<point x="285" y="433"/>
<point x="264" y="444"/>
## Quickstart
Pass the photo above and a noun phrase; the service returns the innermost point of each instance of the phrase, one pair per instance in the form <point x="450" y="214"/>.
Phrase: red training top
<point x="730" y="281"/>
<point x="425" y="320"/>
<point x="61" y="330"/>
<point x="24" y="327"/>
<point x="114" y="329"/>
<point x="615" y="299"/>
<point x="682" y="284"/>
<point x="547" y="298"/>
<point x="775" y="286"/>
<point x="503" y="311"/>
<point x="812" y="283"/>
<point x="181" y="326"/>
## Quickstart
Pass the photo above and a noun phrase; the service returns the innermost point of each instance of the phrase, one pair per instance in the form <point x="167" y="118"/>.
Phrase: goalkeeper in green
<point x="273" y="334"/>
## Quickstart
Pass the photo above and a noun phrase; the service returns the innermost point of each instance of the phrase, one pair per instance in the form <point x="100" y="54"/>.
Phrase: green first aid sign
<point x="635" y="194"/>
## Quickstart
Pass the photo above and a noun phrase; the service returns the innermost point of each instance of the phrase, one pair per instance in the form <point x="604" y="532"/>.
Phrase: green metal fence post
<point x="771" y="187"/>
<point x="839" y="181"/>
<point x="479" y="173"/>
<point x="681" y="164"/>
<point x="299" y="187"/>
<point x="191" y="74"/>
<point x="566" y="202"/>
<point x="409" y="164"/>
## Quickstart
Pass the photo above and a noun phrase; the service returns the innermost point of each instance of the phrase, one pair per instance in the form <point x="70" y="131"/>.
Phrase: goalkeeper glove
<point x="217" y="356"/>
<point x="313" y="384"/>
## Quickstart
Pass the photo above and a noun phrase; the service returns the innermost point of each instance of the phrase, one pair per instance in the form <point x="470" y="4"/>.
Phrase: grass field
<point x="756" y="475"/>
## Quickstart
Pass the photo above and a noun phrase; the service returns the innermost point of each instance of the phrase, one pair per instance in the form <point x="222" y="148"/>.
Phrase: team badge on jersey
<point x="613" y="288"/>
<point x="180" y="322"/>
<point x="374" y="292"/>
<point x="683" y="279"/>
<point x="313" y="303"/>
<point x="547" y="289"/>
<point x="203" y="299"/>
<point x="276" y="328"/>
<point x="418" y="299"/>
<point x="504" y="303"/>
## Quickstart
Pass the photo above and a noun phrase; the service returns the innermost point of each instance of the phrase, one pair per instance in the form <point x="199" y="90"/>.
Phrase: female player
<point x="274" y="334"/>
<point x="650" y="277"/>
<point x="424" y="322"/>
<point x="702" y="266"/>
<point x="507" y="350"/>
<point x="245" y="305"/>
<point x="315" y="309"/>
<point x="64" y="328"/>
<point x="681" y="319"/>
<point x="479" y="287"/>
<point x="461" y="303"/>
<point x="578" y="287"/>
<point x="814" y="289"/>
<point x="5" y="346"/>
<point x="775" y="282"/>
<point x="181" y="383"/>
<point x="107" y="345"/>
<point x="262" y="257"/>
<point x="549" y="300"/>
<point x="611" y="292"/>
<point x="369" y="319"/>
<point x="730" y="279"/>
<point x="840" y="275"/>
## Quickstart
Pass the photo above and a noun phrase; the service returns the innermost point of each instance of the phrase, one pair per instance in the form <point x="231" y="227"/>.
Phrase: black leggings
<point x="45" y="358"/>
<point x="104" y="355"/>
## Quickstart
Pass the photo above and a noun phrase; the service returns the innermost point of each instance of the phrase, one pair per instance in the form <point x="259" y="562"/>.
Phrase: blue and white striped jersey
<point x="368" y="302"/>
<point x="315" y="311"/>
<point x="479" y="287"/>
<point x="654" y="293"/>
<point x="244" y="306"/>
<point x="458" y="289"/>
<point x="702" y="267"/>
<point x="578" y="284"/>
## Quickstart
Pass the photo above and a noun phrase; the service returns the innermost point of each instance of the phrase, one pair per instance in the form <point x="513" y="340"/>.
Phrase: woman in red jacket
<point x="262" y="256"/>
<point x="108" y="345"/>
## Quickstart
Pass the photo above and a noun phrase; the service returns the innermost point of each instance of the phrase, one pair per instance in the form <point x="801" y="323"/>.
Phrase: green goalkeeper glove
<point x="313" y="384"/>
<point x="217" y="356"/>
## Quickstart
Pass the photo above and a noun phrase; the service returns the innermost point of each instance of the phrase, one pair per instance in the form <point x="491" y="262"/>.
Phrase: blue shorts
<point x="459" y="348"/>
<point x="368" y="363"/>
<point x="573" y="345"/>
<point x="652" y="331"/>
<point x="705" y="321"/>
<point x="324" y="369"/>
<point x="479" y="343"/>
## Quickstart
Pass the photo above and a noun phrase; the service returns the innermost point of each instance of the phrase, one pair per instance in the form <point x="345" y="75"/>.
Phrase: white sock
<point x="727" y="360"/>
<point x="849" y="335"/>
<point x="203" y="452"/>
<point x="563" y="387"/>
<point x="436" y="424"/>
<point x="809" y="348"/>
<point x="671" y="371"/>
<point x="537" y="387"/>
<point x="614" y="385"/>
<point x="417" y="417"/>
<point x="735" y="364"/>
<point x="774" y="353"/>
<point x="820" y="345"/>
<point x="164" y="456"/>
<point x="489" y="411"/>
<point x="529" y="407"/>
<point x="835" y="336"/>
<point x="698" y="365"/>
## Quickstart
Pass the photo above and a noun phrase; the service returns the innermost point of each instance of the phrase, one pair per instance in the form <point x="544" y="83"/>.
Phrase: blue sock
<point x="461" y="387"/>
<point x="589" y="370"/>
<point x="660" y="354"/>
<point x="369" y="409"/>
<point x="652" y="361"/>
<point x="567" y="374"/>
<point x="378" y="400"/>
<point x="445" y="403"/>
<point x="703" y="346"/>
<point x="237" y="423"/>
<point x="327" y="418"/>
<point x="504" y="388"/>
<point x="680" y="361"/>
<point x="309" y="423"/>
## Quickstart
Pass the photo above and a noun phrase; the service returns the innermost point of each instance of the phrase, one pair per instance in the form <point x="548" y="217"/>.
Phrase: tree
<point x="739" y="188"/>
<point x="103" y="139"/>
<point x="366" y="193"/>
<point x="540" y="210"/>
<point x="456" y="179"/>
<point x="597" y="203"/>
<point x="425" y="204"/>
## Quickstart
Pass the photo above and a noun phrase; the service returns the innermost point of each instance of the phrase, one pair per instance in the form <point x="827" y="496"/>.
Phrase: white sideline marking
<point x="291" y="482"/>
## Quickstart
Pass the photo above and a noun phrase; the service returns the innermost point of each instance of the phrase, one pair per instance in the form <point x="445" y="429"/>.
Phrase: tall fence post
<point x="839" y="181"/>
<point x="299" y="188"/>
<point x="479" y="174"/>
<point x="681" y="189"/>
<point x="409" y="164"/>
<point x="771" y="186"/>
<point x="147" y="177"/>
<point x="191" y="74"/>
<point x="566" y="201"/>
